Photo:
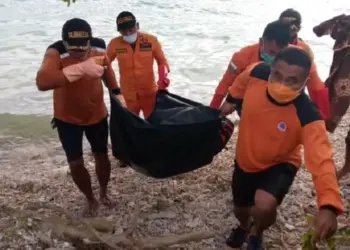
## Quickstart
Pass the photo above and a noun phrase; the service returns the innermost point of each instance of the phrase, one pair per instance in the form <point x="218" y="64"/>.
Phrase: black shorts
<point x="71" y="137"/>
<point x="275" y="180"/>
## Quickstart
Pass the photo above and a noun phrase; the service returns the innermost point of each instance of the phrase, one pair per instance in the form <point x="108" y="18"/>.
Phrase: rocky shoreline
<point x="35" y="184"/>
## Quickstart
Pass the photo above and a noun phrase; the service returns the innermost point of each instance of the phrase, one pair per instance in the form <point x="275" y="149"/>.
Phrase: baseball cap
<point x="125" y="20"/>
<point x="291" y="16"/>
<point x="77" y="33"/>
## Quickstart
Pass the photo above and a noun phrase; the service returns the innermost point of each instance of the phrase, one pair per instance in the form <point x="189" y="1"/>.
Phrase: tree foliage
<point x="69" y="1"/>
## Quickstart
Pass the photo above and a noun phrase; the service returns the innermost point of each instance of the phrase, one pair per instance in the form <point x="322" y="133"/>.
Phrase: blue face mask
<point x="266" y="58"/>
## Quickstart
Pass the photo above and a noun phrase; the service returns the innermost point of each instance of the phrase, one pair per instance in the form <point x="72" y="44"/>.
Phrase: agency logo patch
<point x="282" y="126"/>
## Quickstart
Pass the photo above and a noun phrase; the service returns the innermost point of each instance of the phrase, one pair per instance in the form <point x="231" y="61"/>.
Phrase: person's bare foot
<point x="104" y="199"/>
<point x="91" y="208"/>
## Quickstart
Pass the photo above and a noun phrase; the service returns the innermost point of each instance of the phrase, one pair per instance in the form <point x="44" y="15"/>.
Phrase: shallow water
<point x="198" y="37"/>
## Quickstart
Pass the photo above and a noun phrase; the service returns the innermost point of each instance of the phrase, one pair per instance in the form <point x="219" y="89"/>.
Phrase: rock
<point x="193" y="223"/>
<point x="301" y="223"/>
<point x="36" y="187"/>
<point x="67" y="245"/>
<point x="3" y="225"/>
<point x="29" y="222"/>
<point x="161" y="204"/>
<point x="188" y="216"/>
<point x="110" y="218"/>
<point x="289" y="227"/>
<point x="163" y="215"/>
<point x="44" y="239"/>
<point x="14" y="185"/>
<point x="63" y="171"/>
<point x="118" y="231"/>
<point x="294" y="210"/>
<point x="28" y="238"/>
<point x="35" y="157"/>
<point x="293" y="240"/>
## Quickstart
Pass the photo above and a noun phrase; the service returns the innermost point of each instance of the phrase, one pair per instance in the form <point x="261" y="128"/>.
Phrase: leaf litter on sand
<point x="41" y="207"/>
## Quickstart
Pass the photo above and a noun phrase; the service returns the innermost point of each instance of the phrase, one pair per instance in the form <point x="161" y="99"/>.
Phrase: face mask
<point x="282" y="93"/>
<point x="131" y="38"/>
<point x="264" y="56"/>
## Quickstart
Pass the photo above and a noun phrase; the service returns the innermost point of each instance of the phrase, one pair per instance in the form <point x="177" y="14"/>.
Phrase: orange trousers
<point x="144" y="103"/>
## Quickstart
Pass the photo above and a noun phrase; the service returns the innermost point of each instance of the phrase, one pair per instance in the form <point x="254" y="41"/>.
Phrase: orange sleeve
<point x="50" y="75"/>
<point x="314" y="82"/>
<point x="112" y="83"/>
<point x="309" y="50"/>
<point x="318" y="160"/>
<point x="235" y="67"/>
<point x="159" y="55"/>
<point x="305" y="47"/>
<point x="111" y="52"/>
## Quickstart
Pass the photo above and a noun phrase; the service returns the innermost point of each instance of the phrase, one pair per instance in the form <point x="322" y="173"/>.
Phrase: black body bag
<point x="179" y="136"/>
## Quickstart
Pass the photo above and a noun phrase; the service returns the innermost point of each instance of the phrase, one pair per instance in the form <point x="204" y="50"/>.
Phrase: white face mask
<point x="131" y="38"/>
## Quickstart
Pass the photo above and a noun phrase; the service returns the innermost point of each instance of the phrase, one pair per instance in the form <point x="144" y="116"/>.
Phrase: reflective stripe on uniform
<point x="232" y="67"/>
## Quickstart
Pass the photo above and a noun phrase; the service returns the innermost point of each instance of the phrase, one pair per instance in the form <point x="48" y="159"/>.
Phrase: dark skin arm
<point x="318" y="160"/>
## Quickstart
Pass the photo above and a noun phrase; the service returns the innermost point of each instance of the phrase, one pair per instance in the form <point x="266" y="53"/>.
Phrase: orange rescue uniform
<point x="300" y="43"/>
<point x="271" y="133"/>
<point x="80" y="102"/>
<point x="251" y="54"/>
<point x="137" y="80"/>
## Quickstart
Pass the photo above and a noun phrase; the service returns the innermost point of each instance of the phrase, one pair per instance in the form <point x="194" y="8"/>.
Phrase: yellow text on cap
<point x="78" y="34"/>
<point x="125" y="19"/>
<point x="289" y="19"/>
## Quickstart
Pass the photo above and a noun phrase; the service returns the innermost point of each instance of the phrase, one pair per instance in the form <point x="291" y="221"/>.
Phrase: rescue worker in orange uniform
<point x="293" y="18"/>
<point x="320" y="97"/>
<point x="73" y="68"/>
<point x="276" y="36"/>
<point x="135" y="52"/>
<point x="278" y="118"/>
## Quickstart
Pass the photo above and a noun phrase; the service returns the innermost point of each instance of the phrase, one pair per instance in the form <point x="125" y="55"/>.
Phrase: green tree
<point x="69" y="1"/>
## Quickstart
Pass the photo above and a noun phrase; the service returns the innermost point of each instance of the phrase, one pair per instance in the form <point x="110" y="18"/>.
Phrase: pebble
<point x="30" y="222"/>
<point x="289" y="227"/>
<point x="193" y="223"/>
<point x="163" y="215"/>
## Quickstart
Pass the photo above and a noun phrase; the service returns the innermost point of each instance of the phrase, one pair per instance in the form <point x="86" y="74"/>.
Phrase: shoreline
<point x="34" y="174"/>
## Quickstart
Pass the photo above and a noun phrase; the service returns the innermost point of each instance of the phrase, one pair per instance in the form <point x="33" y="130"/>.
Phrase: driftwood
<point x="84" y="233"/>
<point x="175" y="239"/>
<point x="89" y="235"/>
